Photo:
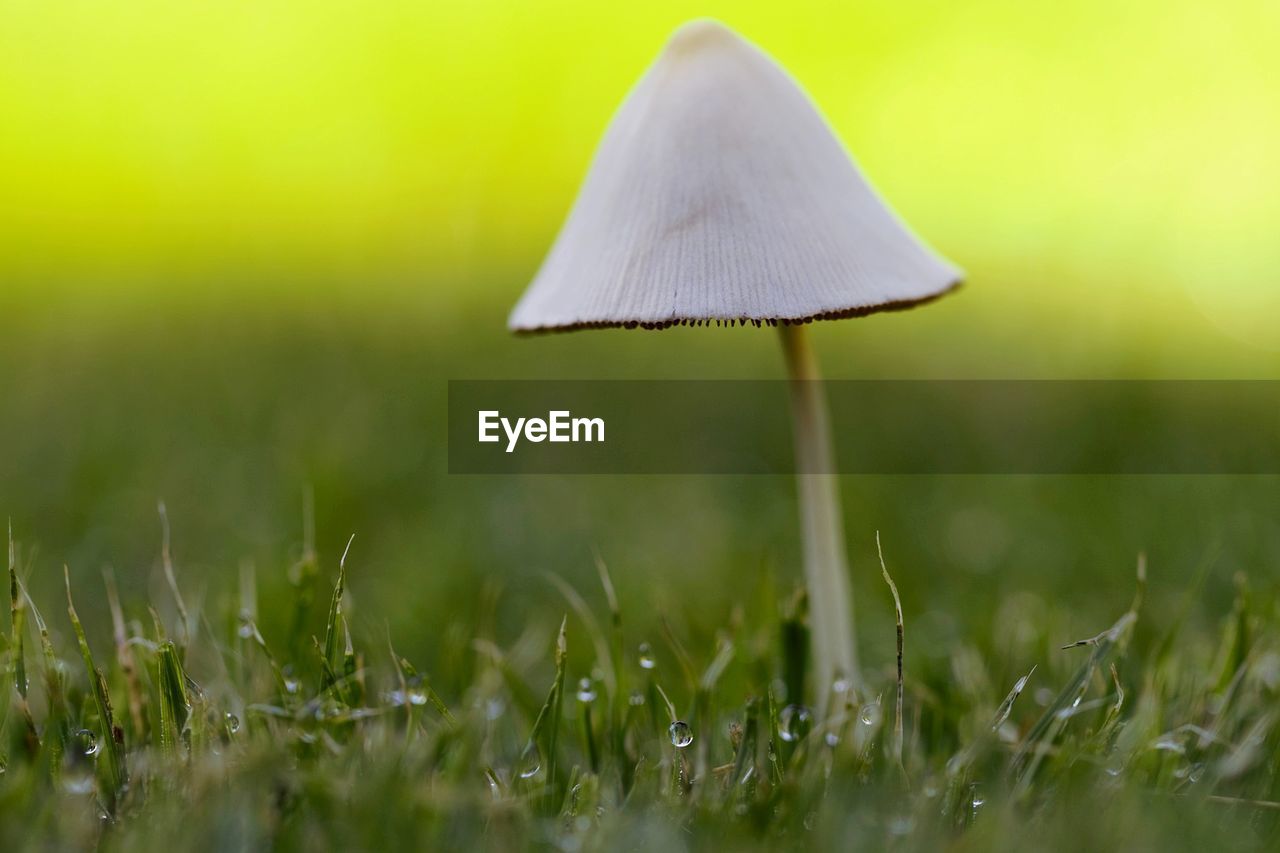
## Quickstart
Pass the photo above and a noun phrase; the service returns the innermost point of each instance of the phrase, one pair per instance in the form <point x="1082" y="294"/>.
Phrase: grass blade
<point x="17" y="619"/>
<point x="55" y="689"/>
<point x="117" y="772"/>
<point x="328" y="677"/>
<point x="166" y="560"/>
<point x="543" y="738"/>
<point x="175" y="704"/>
<point x="897" y="606"/>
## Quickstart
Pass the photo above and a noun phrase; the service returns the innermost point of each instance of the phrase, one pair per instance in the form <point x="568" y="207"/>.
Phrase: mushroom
<point x="719" y="193"/>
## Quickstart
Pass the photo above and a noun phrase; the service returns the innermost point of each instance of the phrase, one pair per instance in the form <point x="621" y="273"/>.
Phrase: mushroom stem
<point x="822" y="524"/>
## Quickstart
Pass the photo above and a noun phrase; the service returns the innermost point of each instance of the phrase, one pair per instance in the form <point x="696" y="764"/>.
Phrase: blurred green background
<point x="243" y="246"/>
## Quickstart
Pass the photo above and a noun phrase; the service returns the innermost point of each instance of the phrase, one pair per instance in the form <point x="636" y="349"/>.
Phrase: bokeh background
<point x="243" y="246"/>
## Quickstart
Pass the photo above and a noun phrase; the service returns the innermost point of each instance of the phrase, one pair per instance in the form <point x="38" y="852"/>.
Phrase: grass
<point x="197" y="728"/>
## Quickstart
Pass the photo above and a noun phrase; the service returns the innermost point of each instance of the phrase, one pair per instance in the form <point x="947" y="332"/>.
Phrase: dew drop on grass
<point x="233" y="723"/>
<point x="794" y="723"/>
<point x="636" y="699"/>
<point x="86" y="743"/>
<point x="831" y="739"/>
<point x="681" y="734"/>
<point x="646" y="657"/>
<point x="586" y="692"/>
<point x="530" y="763"/>
<point x="291" y="685"/>
<point x="976" y="799"/>
<point x="870" y="714"/>
<point x="1190" y="772"/>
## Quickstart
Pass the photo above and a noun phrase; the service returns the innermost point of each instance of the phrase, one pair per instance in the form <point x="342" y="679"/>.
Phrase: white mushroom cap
<point x="720" y="194"/>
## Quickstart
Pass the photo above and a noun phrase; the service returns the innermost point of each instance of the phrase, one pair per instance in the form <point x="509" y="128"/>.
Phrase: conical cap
<point x="719" y="193"/>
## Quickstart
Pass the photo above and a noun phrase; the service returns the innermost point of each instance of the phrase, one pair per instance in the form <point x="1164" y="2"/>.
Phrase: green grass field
<point x="1147" y="733"/>
<point x="264" y="711"/>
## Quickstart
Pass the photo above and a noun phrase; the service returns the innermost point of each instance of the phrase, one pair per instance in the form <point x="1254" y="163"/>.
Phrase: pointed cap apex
<point x="699" y="33"/>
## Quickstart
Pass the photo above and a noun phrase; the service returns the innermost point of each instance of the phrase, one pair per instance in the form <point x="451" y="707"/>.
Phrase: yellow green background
<point x="1111" y="163"/>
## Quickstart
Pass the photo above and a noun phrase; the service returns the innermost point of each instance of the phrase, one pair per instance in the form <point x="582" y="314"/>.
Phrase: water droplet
<point x="1190" y="772"/>
<point x="976" y="799"/>
<point x="233" y="723"/>
<point x="1169" y="743"/>
<point x="646" y="657"/>
<point x="530" y="763"/>
<point x="636" y="699"/>
<point x="870" y="714"/>
<point x="417" y="697"/>
<point x="494" y="708"/>
<point x="86" y="743"/>
<point x="586" y="692"/>
<point x="794" y="722"/>
<point x="245" y="629"/>
<point x="840" y="687"/>
<point x="831" y="739"/>
<point x="291" y="685"/>
<point x="681" y="734"/>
